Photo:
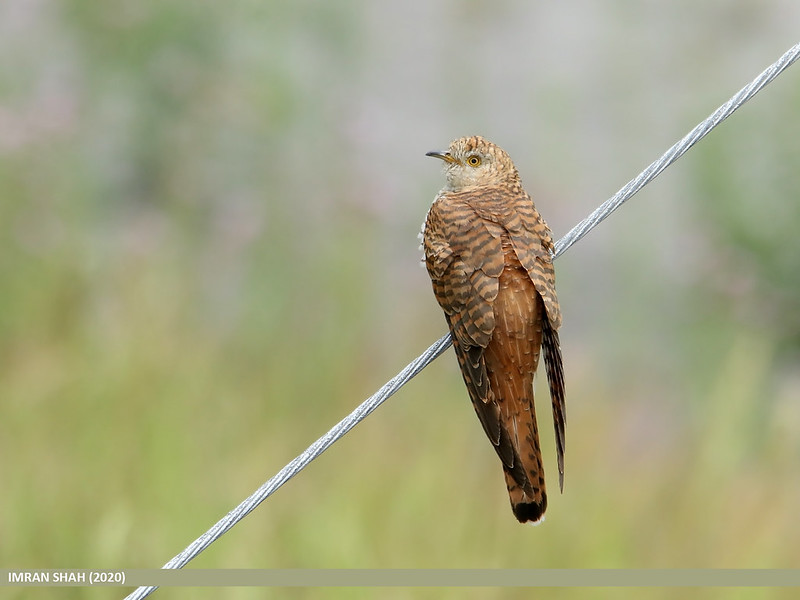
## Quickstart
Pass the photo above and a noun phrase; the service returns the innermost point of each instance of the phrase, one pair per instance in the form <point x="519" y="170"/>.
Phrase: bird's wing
<point x="555" y="378"/>
<point x="531" y="237"/>
<point x="537" y="258"/>
<point x="464" y="258"/>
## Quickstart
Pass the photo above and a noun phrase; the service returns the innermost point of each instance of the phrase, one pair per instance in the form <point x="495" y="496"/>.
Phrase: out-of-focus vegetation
<point x="208" y="255"/>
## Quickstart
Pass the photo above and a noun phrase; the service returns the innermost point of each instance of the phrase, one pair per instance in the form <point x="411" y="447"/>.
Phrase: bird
<point x="489" y="255"/>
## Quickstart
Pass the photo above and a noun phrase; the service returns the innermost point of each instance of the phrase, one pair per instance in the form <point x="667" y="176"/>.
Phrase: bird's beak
<point x="445" y="156"/>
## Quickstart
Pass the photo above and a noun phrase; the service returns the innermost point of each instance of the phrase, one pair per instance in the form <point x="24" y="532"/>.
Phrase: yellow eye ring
<point x="474" y="160"/>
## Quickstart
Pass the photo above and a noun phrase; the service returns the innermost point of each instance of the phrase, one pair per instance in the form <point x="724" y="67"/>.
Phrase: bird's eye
<point x="474" y="160"/>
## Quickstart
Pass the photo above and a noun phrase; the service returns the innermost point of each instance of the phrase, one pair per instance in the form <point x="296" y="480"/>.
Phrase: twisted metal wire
<point x="678" y="150"/>
<point x="438" y="348"/>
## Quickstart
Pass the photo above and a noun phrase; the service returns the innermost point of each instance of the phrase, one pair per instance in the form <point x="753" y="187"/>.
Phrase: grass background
<point x="208" y="256"/>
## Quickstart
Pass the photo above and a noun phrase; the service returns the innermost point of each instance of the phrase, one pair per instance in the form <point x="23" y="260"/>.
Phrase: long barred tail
<point x="511" y="359"/>
<point x="526" y="486"/>
<point x="555" y="377"/>
<point x="505" y="409"/>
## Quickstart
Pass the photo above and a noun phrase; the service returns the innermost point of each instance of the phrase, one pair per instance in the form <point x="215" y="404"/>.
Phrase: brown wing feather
<point x="458" y="256"/>
<point x="515" y="212"/>
<point x="464" y="260"/>
<point x="555" y="378"/>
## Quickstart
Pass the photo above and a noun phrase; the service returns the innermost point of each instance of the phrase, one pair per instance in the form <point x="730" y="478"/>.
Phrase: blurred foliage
<point x="208" y="215"/>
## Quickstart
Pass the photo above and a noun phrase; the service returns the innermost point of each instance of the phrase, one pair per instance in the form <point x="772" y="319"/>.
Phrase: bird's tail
<point x="505" y="408"/>
<point x="511" y="359"/>
<point x="525" y="478"/>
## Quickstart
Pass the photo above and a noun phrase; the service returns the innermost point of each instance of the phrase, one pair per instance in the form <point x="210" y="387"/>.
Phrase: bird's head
<point x="473" y="162"/>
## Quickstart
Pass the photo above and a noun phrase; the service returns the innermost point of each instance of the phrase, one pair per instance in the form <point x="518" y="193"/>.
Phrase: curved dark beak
<point x="445" y="156"/>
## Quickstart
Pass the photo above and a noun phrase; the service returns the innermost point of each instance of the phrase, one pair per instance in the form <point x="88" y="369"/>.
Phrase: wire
<point x="678" y="150"/>
<point x="438" y="348"/>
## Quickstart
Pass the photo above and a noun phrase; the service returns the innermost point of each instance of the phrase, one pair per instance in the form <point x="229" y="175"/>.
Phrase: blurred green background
<point x="208" y="256"/>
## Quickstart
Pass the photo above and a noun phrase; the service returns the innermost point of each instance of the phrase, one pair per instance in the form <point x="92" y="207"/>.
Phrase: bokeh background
<point x="208" y="256"/>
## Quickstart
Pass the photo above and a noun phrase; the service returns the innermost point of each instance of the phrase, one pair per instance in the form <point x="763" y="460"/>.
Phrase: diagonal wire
<point x="674" y="153"/>
<point x="438" y="348"/>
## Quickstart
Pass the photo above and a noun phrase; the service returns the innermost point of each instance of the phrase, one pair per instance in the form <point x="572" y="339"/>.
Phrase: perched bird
<point x="490" y="258"/>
